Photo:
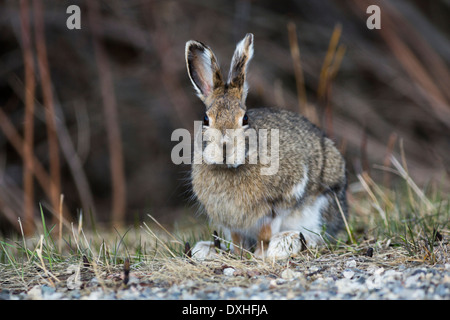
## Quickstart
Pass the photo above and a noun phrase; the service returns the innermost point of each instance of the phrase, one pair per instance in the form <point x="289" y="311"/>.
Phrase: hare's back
<point x="302" y="146"/>
<point x="290" y="124"/>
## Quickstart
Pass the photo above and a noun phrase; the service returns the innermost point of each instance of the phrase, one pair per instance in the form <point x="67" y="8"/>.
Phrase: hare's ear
<point x="203" y="69"/>
<point x="238" y="70"/>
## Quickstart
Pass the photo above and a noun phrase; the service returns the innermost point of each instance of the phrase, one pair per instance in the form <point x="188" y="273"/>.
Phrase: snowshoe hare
<point x="303" y="199"/>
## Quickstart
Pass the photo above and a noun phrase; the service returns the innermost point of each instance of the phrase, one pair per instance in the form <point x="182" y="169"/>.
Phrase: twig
<point x="343" y="218"/>
<point x="75" y="164"/>
<point x="325" y="71"/>
<point x="331" y="64"/>
<point x="23" y="239"/>
<point x="42" y="265"/>
<point x="165" y="230"/>
<point x="111" y="118"/>
<point x="187" y="250"/>
<point x="11" y="200"/>
<point x="29" y="118"/>
<point x="389" y="150"/>
<point x="305" y="109"/>
<point x="363" y="147"/>
<point x="150" y="232"/>
<point x="411" y="183"/>
<point x="126" y="271"/>
<point x="75" y="239"/>
<point x="60" y="221"/>
<point x="16" y="141"/>
<point x="374" y="199"/>
<point x="380" y="192"/>
<point x="46" y="84"/>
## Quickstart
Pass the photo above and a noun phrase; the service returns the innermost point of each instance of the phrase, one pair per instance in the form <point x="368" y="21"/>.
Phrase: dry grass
<point x="386" y="229"/>
<point x="165" y="272"/>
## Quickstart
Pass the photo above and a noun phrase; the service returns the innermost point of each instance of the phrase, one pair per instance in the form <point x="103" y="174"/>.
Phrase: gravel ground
<point x="349" y="278"/>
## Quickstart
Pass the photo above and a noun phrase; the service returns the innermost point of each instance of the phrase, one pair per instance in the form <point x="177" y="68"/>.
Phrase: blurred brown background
<point x="91" y="111"/>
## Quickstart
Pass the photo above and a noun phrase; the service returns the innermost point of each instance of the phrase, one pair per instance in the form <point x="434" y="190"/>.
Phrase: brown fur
<point x="265" y="233"/>
<point x="238" y="242"/>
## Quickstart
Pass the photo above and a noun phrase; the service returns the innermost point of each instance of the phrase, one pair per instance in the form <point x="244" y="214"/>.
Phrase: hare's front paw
<point x="204" y="250"/>
<point x="285" y="244"/>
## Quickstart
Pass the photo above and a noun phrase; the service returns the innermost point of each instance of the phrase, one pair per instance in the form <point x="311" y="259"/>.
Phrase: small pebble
<point x="348" y="274"/>
<point x="289" y="274"/>
<point x="35" y="293"/>
<point x="350" y="264"/>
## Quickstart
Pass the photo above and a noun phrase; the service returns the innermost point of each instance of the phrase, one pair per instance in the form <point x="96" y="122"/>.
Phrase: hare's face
<point x="225" y="120"/>
<point x="224" y="126"/>
<point x="226" y="112"/>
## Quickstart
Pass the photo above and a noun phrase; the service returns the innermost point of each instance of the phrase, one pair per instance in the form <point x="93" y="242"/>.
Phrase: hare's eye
<point x="245" y="120"/>
<point x="206" y="120"/>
